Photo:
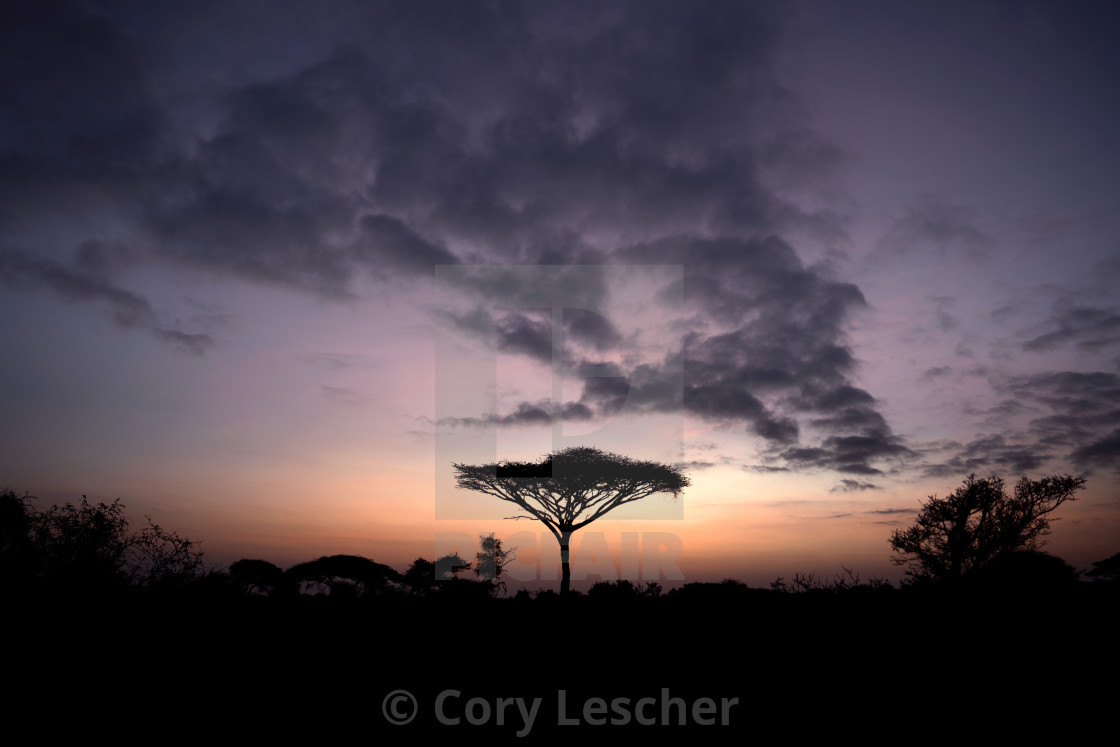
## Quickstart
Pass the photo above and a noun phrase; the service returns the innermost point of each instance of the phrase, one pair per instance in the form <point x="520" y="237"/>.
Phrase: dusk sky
<point x="269" y="268"/>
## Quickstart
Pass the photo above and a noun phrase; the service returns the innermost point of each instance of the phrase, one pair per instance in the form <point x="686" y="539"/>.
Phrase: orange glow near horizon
<point x="736" y="524"/>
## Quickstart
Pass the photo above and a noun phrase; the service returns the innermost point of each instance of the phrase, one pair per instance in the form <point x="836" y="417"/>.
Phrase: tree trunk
<point x="566" y="568"/>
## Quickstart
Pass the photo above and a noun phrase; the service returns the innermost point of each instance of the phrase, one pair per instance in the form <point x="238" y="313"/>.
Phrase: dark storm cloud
<point x="585" y="327"/>
<point x="74" y="95"/>
<point x="531" y="334"/>
<point x="999" y="415"/>
<point x="1087" y="327"/>
<point x="1085" y="413"/>
<point x="776" y="351"/>
<point x="843" y="396"/>
<point x="645" y="388"/>
<point x="605" y="394"/>
<point x="870" y="439"/>
<point x="854" y="419"/>
<point x="1083" y="395"/>
<point x="517" y="130"/>
<point x="994" y="450"/>
<point x="731" y="279"/>
<point x="1103" y="452"/>
<point x="241" y="234"/>
<point x="526" y="334"/>
<point x="1080" y="424"/>
<point x="523" y="332"/>
<point x="127" y="309"/>
<point x="991" y="453"/>
<point x="390" y="243"/>
<point x="392" y="138"/>
<point x="518" y="136"/>
<point x="526" y="413"/>
<point x="850" y="454"/>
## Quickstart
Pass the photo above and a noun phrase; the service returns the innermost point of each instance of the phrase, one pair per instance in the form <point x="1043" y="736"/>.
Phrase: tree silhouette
<point x="19" y="561"/>
<point x="344" y="575"/>
<point x="492" y="559"/>
<point x="257" y="576"/>
<point x="420" y="578"/>
<point x="958" y="535"/>
<point x="1031" y="571"/>
<point x="450" y="566"/>
<point x="571" y="488"/>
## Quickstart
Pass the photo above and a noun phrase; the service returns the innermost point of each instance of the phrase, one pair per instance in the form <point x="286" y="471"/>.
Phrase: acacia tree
<point x="257" y="576"/>
<point x="571" y="488"/>
<point x="344" y="575"/>
<point x="957" y="535"/>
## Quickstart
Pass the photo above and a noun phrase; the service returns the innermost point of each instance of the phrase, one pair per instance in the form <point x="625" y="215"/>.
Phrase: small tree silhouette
<point x="344" y="575"/>
<point x="257" y="576"/>
<point x="958" y="535"/>
<point x="492" y="559"/>
<point x="571" y="488"/>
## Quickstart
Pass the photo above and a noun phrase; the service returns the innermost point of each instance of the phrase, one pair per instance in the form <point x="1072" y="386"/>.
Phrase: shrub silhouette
<point x="1026" y="571"/>
<point x="91" y="548"/>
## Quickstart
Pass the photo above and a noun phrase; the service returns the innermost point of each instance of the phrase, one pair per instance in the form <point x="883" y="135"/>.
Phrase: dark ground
<point x="884" y="664"/>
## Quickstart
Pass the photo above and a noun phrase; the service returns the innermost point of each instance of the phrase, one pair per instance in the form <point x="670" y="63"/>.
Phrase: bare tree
<point x="571" y="488"/>
<point x="978" y="523"/>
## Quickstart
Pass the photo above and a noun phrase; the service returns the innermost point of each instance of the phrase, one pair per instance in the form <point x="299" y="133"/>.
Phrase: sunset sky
<point x="269" y="268"/>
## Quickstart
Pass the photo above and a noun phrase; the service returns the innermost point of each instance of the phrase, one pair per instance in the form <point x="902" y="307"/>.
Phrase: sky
<point x="268" y="269"/>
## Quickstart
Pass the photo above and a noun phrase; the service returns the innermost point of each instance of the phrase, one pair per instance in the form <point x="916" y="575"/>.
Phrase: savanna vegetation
<point x="110" y="613"/>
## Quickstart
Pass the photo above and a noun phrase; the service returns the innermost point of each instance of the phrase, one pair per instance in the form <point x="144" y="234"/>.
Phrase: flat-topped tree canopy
<point x="571" y="488"/>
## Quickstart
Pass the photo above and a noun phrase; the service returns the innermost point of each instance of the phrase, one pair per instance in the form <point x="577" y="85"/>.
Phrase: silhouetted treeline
<point x="121" y="632"/>
<point x="92" y="549"/>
